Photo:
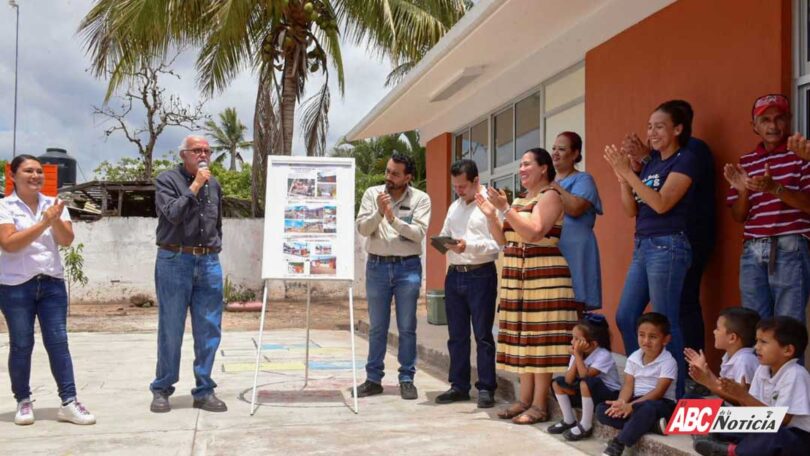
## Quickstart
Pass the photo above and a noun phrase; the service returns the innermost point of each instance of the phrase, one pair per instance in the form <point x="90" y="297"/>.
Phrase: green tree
<point x="282" y="41"/>
<point x="371" y="156"/>
<point x="233" y="183"/>
<point x="132" y="169"/>
<point x="3" y="175"/>
<point x="74" y="267"/>
<point x="228" y="136"/>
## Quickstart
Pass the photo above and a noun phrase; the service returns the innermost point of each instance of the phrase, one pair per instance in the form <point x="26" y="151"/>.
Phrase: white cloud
<point x="56" y="93"/>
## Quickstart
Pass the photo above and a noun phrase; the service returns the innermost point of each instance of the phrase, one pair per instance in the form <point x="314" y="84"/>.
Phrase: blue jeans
<point x="470" y="298"/>
<point x="782" y="290"/>
<point x="184" y="281"/>
<point x="656" y="276"/>
<point x="643" y="419"/>
<point x="384" y="280"/>
<point x="44" y="298"/>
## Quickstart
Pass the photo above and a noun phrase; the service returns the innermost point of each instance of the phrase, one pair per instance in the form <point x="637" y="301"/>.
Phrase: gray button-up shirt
<point x="403" y="236"/>
<point x="183" y="218"/>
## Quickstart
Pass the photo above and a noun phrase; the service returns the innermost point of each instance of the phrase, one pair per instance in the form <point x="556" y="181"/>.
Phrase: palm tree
<point x="371" y="156"/>
<point x="282" y="41"/>
<point x="229" y="136"/>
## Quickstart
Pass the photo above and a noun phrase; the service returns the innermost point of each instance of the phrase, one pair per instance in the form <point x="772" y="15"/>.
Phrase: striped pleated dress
<point x="537" y="310"/>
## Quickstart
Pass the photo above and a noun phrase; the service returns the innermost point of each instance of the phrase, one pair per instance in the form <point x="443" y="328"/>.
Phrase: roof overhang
<point x="499" y="50"/>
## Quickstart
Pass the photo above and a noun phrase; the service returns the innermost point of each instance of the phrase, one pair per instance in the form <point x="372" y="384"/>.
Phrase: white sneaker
<point x="75" y="413"/>
<point x="25" y="412"/>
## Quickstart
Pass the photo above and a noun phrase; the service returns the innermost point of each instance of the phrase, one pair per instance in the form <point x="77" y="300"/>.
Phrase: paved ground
<point x="114" y="370"/>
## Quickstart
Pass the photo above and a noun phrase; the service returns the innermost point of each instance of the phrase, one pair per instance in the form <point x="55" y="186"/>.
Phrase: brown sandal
<point x="531" y="415"/>
<point x="513" y="410"/>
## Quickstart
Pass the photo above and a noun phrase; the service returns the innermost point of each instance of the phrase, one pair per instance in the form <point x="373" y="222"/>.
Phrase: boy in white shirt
<point x="648" y="393"/>
<point x="779" y="382"/>
<point x="735" y="333"/>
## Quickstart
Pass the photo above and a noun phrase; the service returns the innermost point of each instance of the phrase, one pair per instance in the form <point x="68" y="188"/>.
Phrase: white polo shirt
<point x="601" y="360"/>
<point x="39" y="257"/>
<point x="741" y="366"/>
<point x="646" y="376"/>
<point x="790" y="388"/>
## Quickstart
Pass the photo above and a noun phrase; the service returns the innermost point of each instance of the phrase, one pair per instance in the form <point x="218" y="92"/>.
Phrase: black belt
<point x="469" y="267"/>
<point x="390" y="259"/>
<point x="200" y="250"/>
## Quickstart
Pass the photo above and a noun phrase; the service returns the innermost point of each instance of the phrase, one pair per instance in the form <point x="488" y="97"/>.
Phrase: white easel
<point x="334" y="176"/>
<point x="356" y="408"/>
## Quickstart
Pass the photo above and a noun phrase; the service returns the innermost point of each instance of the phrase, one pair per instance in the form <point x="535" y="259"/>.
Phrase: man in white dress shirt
<point x="471" y="289"/>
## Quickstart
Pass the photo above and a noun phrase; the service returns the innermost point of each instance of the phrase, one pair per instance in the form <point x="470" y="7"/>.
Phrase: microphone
<point x="204" y="165"/>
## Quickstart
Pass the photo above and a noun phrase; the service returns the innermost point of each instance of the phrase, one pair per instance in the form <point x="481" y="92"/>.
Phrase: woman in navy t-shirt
<point x="659" y="199"/>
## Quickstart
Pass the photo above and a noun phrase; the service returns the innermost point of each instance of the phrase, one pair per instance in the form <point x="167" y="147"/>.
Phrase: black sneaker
<point x="452" y="395"/>
<point x="694" y="388"/>
<point x="408" y="391"/>
<point x="210" y="403"/>
<point x="660" y="427"/>
<point x="368" y="388"/>
<point x="614" y="448"/>
<point x="160" y="403"/>
<point x="708" y="446"/>
<point x="486" y="399"/>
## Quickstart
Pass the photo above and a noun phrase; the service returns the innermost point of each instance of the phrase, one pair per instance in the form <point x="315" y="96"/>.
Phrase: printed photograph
<point x="327" y="191"/>
<point x="296" y="248"/>
<point x="322" y="248"/>
<point x="327" y="176"/>
<point x="323" y="265"/>
<point x="295" y="212"/>
<point x="312" y="226"/>
<point x="293" y="226"/>
<point x="295" y="267"/>
<point x="314" y="212"/>
<point x="300" y="188"/>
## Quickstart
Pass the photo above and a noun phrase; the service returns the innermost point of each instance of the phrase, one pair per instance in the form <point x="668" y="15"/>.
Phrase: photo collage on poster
<point x="310" y="222"/>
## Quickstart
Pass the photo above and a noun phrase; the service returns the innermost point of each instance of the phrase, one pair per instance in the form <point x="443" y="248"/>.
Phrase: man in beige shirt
<point x="394" y="217"/>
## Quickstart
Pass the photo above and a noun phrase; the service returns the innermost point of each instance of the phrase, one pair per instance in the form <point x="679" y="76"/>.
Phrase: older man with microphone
<point x="188" y="275"/>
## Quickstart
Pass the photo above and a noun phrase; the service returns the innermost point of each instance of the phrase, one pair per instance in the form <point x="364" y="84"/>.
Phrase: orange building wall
<point x="437" y="156"/>
<point x="719" y="56"/>
<point x="49" y="187"/>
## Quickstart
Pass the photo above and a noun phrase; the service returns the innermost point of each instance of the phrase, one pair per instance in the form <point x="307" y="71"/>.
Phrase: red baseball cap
<point x="765" y="102"/>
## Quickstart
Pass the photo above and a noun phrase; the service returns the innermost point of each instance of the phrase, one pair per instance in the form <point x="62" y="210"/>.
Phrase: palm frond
<point x="315" y="121"/>
<point x="399" y="72"/>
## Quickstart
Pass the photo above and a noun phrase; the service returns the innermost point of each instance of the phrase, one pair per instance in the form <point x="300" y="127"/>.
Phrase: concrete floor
<point x="113" y="372"/>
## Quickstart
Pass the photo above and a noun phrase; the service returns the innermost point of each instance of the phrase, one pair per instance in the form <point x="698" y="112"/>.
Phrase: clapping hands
<point x="698" y="366"/>
<point x="53" y="212"/>
<point x="798" y="144"/>
<point x="619" y="161"/>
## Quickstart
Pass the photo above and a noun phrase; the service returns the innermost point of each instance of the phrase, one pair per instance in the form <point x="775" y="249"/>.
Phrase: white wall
<point x="119" y="260"/>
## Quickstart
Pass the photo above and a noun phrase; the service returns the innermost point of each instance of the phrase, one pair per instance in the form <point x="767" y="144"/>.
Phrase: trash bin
<point x="436" y="313"/>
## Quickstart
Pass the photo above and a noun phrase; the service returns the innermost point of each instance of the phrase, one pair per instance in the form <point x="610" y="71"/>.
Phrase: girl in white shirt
<point x="591" y="378"/>
<point x="32" y="227"/>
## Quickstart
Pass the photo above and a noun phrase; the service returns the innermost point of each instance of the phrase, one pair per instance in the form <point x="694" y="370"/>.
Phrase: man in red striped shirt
<point x="770" y="195"/>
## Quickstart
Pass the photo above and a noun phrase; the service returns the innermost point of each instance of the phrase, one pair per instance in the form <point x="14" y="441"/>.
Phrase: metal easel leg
<point x="354" y="358"/>
<point x="258" y="351"/>
<point x="306" y="366"/>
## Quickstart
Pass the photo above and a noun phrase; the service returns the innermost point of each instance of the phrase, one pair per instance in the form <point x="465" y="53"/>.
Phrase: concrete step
<point x="433" y="357"/>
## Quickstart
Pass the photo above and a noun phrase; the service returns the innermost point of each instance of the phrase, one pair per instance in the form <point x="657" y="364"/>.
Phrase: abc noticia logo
<point x="702" y="416"/>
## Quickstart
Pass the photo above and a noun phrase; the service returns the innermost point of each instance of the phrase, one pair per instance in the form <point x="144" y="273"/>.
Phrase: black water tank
<point x="66" y="163"/>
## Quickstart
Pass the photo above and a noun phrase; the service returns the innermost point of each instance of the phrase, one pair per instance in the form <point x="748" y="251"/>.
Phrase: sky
<point x="56" y="92"/>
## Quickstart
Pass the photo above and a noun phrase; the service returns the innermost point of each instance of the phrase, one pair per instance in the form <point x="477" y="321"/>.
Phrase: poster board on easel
<point x="309" y="219"/>
<point x="308" y="235"/>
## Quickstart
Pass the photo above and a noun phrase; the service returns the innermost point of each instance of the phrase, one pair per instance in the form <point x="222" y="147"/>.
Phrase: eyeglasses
<point x="199" y="151"/>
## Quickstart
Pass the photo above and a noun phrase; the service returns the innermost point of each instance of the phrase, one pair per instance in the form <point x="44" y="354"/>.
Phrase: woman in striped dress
<point x="537" y="309"/>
